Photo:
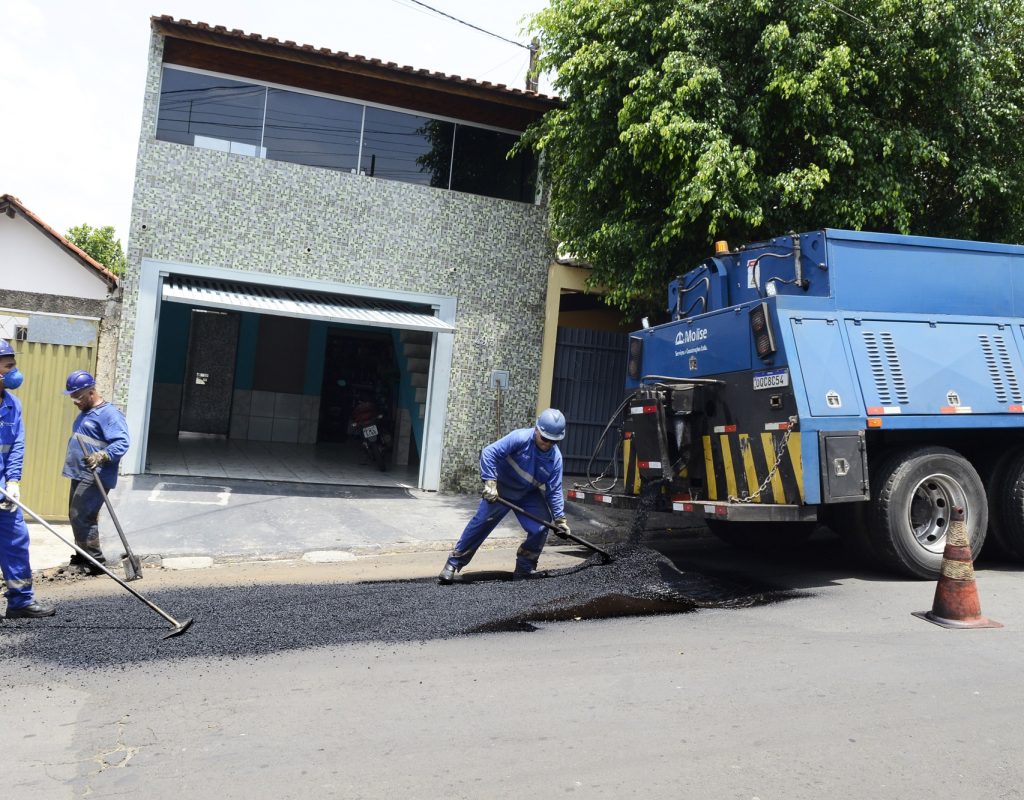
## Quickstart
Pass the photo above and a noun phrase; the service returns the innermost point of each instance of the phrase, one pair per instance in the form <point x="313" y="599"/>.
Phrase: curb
<point x="188" y="561"/>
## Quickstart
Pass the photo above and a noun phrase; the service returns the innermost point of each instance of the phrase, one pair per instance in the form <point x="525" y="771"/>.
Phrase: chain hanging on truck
<point x="780" y="453"/>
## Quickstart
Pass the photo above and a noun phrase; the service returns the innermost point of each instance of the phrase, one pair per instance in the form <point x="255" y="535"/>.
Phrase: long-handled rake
<point x="177" y="628"/>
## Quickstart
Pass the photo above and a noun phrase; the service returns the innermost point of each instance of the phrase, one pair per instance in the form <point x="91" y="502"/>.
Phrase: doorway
<point x="359" y="368"/>
<point x="209" y="382"/>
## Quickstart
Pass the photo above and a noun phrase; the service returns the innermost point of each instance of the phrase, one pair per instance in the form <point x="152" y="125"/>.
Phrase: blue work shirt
<point x="12" y="438"/>
<point x="518" y="465"/>
<point x="104" y="428"/>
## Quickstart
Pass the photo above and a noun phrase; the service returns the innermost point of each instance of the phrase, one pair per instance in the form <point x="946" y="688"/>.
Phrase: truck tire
<point x="1011" y="506"/>
<point x="762" y="537"/>
<point x="995" y="471"/>
<point x="913" y="493"/>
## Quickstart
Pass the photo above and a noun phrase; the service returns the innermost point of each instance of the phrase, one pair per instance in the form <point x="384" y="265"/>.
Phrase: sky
<point x="72" y="74"/>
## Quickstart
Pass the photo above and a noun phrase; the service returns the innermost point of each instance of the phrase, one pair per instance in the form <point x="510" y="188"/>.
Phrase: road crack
<point x="118" y="756"/>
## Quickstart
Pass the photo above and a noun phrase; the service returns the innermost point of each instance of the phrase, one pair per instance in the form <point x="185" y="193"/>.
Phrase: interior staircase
<point x="415" y="352"/>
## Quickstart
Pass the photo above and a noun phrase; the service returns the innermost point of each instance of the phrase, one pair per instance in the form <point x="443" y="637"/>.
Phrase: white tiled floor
<point x="343" y="464"/>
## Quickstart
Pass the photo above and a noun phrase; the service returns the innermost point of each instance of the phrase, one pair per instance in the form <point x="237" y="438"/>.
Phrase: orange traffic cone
<point x="956" y="603"/>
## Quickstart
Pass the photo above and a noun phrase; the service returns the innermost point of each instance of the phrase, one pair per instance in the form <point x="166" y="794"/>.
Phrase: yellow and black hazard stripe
<point x="736" y="463"/>
<point x="630" y="469"/>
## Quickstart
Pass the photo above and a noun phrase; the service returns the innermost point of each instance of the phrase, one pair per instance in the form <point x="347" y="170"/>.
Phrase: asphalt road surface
<point x="793" y="676"/>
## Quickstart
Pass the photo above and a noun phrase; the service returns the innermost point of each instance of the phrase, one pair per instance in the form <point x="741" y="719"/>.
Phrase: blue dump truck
<point x="870" y="382"/>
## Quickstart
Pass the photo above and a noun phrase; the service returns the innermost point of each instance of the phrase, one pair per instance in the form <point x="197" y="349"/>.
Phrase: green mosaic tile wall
<point x="212" y="208"/>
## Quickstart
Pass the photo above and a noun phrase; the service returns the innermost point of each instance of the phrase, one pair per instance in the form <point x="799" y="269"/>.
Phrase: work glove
<point x="13" y="490"/>
<point x="97" y="459"/>
<point x="490" y="491"/>
<point x="563" y="525"/>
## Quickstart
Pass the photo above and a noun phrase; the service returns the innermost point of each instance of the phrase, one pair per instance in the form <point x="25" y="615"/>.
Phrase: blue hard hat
<point x="5" y="348"/>
<point x="79" y="379"/>
<point x="551" y="424"/>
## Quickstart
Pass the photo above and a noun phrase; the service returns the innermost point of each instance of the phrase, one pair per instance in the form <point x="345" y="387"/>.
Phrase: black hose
<point x="600" y="443"/>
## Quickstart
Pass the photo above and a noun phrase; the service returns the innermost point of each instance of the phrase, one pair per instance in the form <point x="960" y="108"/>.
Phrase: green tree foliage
<point x="687" y="121"/>
<point x="100" y="243"/>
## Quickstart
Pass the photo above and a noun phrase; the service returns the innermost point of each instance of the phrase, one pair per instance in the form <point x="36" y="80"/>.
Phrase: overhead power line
<point x="467" y="24"/>
<point x="847" y="13"/>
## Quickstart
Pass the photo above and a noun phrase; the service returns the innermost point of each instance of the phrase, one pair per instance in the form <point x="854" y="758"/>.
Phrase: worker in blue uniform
<point x="14" y="553"/>
<point x="525" y="468"/>
<point x="99" y="439"/>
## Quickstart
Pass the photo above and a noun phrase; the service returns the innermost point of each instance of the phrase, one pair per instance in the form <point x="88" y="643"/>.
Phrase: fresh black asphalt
<point x="251" y="621"/>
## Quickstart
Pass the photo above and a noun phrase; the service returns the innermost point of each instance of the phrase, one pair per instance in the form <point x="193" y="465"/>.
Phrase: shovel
<point x="606" y="557"/>
<point x="132" y="567"/>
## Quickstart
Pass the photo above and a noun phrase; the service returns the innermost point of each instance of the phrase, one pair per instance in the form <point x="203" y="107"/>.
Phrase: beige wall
<point x="564" y="277"/>
<point x="604" y="319"/>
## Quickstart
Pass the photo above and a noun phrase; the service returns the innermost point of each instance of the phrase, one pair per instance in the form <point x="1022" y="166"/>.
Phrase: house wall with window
<point x="59" y="308"/>
<point x="269" y="167"/>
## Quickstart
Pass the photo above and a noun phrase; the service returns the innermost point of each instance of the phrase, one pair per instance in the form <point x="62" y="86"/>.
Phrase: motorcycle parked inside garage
<point x="369" y="424"/>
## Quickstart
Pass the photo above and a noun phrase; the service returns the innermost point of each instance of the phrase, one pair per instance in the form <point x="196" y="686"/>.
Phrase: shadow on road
<point x="821" y="561"/>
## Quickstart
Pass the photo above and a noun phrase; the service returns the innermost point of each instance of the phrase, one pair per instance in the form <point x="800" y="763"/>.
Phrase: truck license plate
<point x="771" y="379"/>
<point x="370" y="431"/>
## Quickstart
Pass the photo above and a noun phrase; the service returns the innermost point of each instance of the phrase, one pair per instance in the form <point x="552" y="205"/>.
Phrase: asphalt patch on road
<point x="244" y="622"/>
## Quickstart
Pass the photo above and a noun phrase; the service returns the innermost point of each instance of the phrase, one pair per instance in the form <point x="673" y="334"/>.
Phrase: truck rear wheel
<point x="913" y="494"/>
<point x="1010" y="506"/>
<point x="762" y="537"/>
<point x="995" y="471"/>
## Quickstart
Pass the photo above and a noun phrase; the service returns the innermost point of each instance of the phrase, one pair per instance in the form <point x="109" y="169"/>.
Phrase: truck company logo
<point x="692" y="335"/>
<point x="691" y="342"/>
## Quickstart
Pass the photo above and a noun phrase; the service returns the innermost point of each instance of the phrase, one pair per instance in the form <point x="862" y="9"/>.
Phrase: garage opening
<point x="268" y="383"/>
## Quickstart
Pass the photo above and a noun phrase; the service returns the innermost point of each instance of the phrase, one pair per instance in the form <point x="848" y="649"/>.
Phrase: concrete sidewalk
<point x="45" y="549"/>
<point x="221" y="519"/>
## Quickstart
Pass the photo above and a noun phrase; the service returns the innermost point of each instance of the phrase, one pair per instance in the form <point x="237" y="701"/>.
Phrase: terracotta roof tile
<point x="166" y="23"/>
<point x="9" y="204"/>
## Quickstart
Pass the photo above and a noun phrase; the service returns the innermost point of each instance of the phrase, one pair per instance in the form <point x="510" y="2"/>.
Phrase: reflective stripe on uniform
<point x="526" y="476"/>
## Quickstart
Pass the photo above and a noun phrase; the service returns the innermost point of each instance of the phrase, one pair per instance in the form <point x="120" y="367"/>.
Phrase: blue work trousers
<point x="14" y="559"/>
<point x="487" y="517"/>
<point x="84" y="506"/>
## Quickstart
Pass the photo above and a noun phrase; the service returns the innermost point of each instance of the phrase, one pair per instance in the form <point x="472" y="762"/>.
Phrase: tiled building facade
<point x="199" y="206"/>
